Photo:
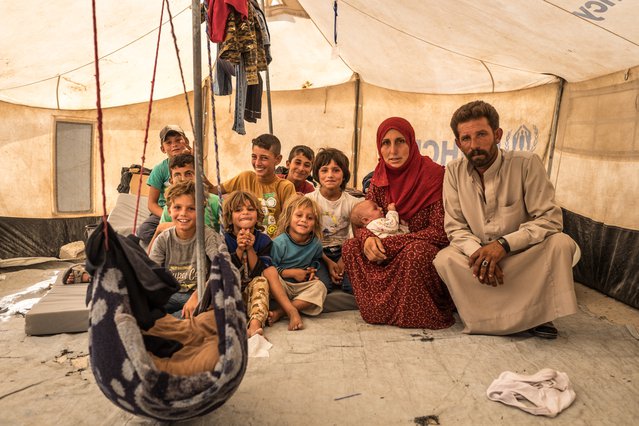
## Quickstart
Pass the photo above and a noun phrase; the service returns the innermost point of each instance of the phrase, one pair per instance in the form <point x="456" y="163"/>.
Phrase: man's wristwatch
<point x="504" y="244"/>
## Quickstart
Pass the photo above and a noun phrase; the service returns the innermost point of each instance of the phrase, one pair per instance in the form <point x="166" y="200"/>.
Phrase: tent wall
<point x="597" y="180"/>
<point x="27" y="151"/>
<point x="315" y="117"/>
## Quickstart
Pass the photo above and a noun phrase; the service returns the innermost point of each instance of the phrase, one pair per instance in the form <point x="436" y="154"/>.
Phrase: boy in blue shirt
<point x="173" y="141"/>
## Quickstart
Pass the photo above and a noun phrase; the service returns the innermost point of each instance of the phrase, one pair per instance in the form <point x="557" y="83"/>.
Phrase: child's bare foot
<point x="274" y="316"/>
<point x="295" y="320"/>
<point x="255" y="327"/>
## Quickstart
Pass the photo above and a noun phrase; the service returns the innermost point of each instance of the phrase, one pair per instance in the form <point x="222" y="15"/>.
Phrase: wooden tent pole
<point x="356" y="130"/>
<point x="197" y="147"/>
<point x="553" y="127"/>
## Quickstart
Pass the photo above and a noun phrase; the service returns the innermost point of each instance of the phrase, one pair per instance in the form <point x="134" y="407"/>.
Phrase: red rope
<point x="100" y="132"/>
<point x="148" y="121"/>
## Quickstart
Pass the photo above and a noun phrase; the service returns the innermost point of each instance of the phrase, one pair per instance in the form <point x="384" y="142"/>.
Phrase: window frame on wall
<point x="65" y="182"/>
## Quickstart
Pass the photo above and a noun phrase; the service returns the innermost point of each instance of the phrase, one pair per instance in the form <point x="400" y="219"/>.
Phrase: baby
<point x="368" y="214"/>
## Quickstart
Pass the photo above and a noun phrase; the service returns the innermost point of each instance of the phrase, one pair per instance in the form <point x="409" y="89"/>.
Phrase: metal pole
<point x="268" y="88"/>
<point x="197" y="148"/>
<point x="553" y="127"/>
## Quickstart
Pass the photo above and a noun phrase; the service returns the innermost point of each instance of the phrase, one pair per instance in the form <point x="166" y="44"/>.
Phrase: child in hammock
<point x="175" y="248"/>
<point x="296" y="253"/>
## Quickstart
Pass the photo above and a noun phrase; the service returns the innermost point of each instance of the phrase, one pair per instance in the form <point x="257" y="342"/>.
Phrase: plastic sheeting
<point x="40" y="237"/>
<point x="607" y="262"/>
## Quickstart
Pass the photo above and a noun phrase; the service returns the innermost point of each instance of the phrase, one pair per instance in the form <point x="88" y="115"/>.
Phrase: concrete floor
<point x="340" y="370"/>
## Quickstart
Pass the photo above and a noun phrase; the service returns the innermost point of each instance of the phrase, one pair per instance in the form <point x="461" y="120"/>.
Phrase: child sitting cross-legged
<point x="296" y="253"/>
<point x="175" y="248"/>
<point x="331" y="170"/>
<point x="251" y="253"/>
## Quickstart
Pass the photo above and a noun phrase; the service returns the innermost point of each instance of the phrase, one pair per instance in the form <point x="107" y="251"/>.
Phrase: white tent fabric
<point x="466" y="46"/>
<point x="433" y="46"/>
<point x="47" y="53"/>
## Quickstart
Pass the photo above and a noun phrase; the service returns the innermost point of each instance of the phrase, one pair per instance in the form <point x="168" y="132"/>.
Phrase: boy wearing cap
<point x="173" y="141"/>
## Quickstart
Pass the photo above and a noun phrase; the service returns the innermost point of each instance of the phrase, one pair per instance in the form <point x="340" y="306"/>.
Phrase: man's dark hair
<point x="324" y="156"/>
<point x="181" y="160"/>
<point x="301" y="149"/>
<point x="473" y="111"/>
<point x="268" y="141"/>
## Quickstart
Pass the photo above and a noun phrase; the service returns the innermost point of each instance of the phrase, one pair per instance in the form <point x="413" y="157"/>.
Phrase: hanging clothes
<point x="253" y="108"/>
<point x="247" y="46"/>
<point x="218" y="12"/>
<point x="262" y="33"/>
<point x="240" y="98"/>
<point x="224" y="73"/>
<point x="240" y="44"/>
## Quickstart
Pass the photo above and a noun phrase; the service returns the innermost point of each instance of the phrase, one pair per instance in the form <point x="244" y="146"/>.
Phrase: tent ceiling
<point x="428" y="46"/>
<point x="466" y="46"/>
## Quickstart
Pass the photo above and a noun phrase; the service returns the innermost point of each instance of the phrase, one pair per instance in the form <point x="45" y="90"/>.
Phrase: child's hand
<point x="339" y="269"/>
<point x="311" y="273"/>
<point x="245" y="239"/>
<point x="335" y="272"/>
<point x="249" y="238"/>
<point x="297" y="274"/>
<point x="392" y="207"/>
<point x="190" y="306"/>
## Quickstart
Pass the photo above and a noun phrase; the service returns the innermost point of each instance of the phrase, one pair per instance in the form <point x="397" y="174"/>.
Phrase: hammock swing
<point x="127" y="295"/>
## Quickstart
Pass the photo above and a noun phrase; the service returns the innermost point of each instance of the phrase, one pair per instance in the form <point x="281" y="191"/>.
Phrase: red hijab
<point x="415" y="184"/>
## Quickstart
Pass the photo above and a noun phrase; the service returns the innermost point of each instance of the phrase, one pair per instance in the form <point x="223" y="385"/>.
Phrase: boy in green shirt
<point x="182" y="168"/>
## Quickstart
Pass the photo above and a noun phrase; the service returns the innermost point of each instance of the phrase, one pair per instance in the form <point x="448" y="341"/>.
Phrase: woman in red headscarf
<point x="394" y="280"/>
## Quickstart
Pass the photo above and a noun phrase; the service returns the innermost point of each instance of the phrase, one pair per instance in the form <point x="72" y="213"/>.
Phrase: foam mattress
<point x="61" y="310"/>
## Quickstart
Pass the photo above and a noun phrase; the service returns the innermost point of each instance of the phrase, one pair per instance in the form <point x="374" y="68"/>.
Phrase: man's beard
<point x="482" y="161"/>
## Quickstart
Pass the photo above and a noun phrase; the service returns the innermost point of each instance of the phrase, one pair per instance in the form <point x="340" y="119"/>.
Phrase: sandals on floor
<point x="546" y="330"/>
<point x="79" y="274"/>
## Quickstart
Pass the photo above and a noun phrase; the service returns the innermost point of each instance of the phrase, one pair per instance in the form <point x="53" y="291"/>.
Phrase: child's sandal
<point x="76" y="274"/>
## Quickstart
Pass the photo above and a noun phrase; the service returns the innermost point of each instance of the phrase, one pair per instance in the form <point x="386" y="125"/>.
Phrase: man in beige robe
<point x="508" y="267"/>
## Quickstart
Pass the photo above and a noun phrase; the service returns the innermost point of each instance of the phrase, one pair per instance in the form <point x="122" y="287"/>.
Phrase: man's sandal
<point x="546" y="331"/>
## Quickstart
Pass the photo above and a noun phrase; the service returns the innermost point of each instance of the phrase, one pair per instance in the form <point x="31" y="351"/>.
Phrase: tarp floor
<point x="340" y="370"/>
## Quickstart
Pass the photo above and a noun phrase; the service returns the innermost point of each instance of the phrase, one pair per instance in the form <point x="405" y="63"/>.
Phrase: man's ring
<point x="485" y="263"/>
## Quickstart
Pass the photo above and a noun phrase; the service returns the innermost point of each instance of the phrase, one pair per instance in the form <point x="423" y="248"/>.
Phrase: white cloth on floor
<point x="258" y="346"/>
<point x="547" y="392"/>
